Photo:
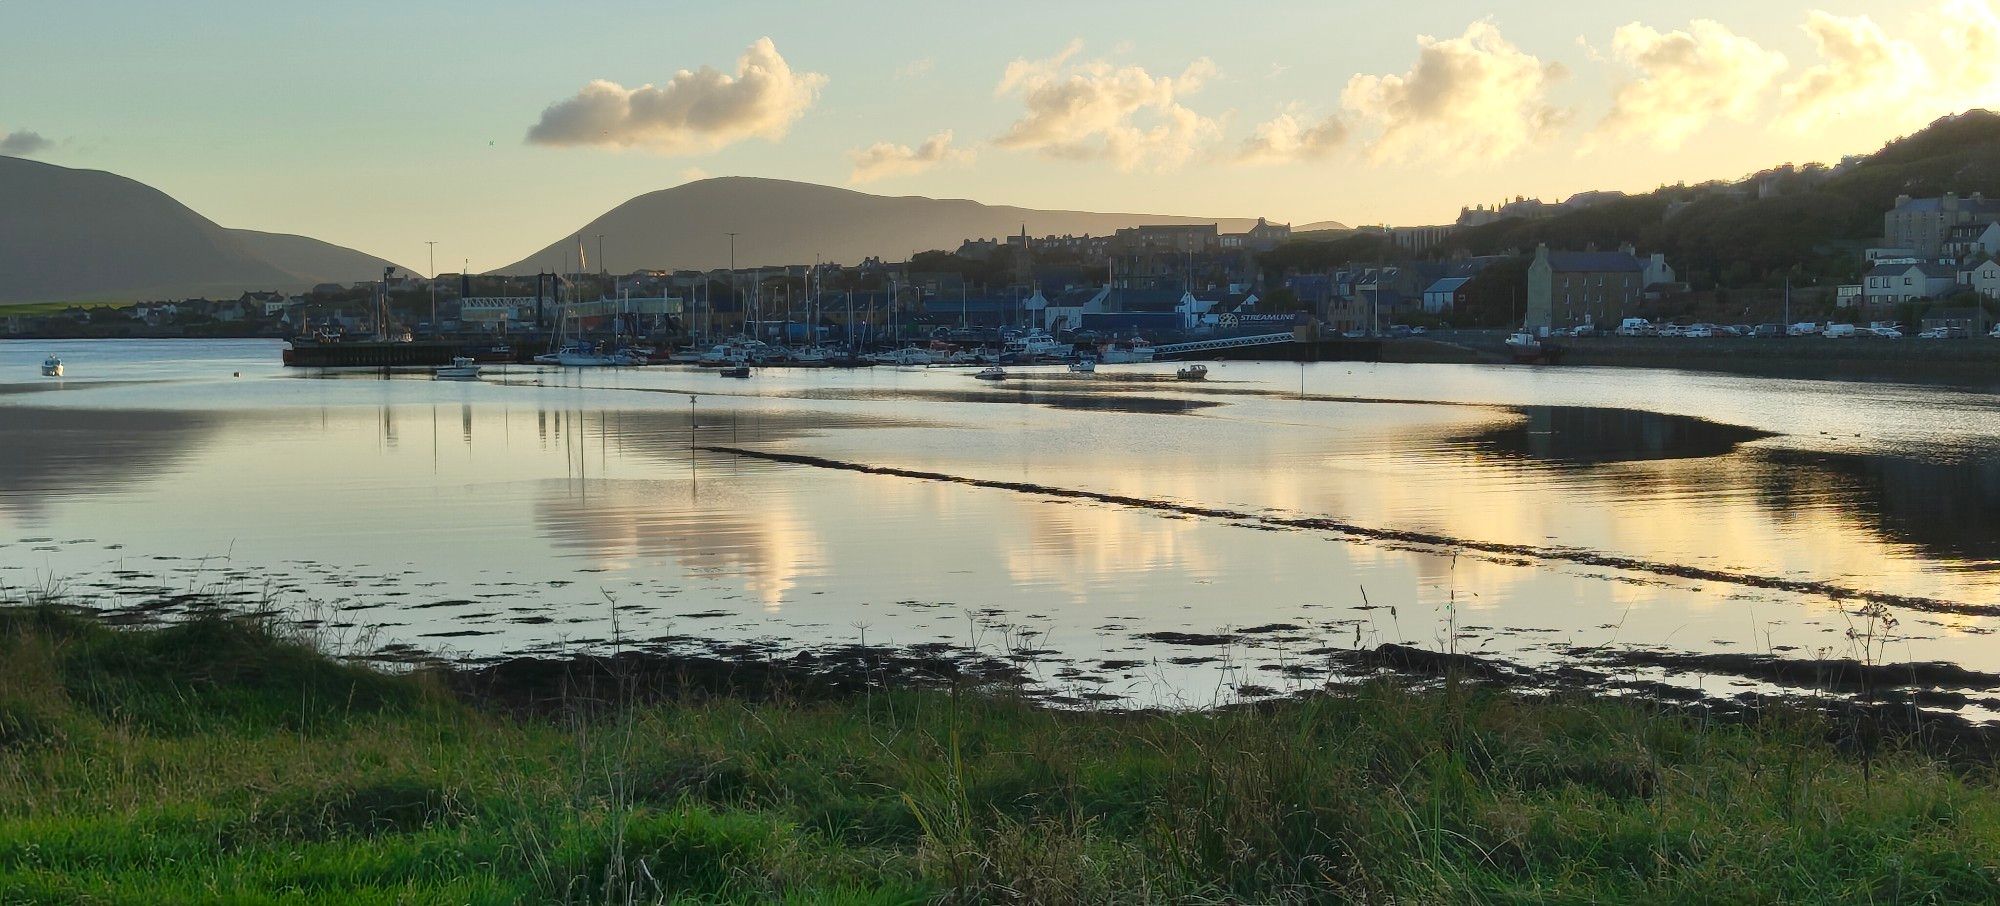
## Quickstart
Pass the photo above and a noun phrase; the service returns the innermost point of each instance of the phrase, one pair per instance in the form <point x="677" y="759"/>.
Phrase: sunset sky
<point x="495" y="127"/>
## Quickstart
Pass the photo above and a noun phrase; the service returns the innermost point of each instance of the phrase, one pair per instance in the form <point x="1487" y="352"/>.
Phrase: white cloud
<point x="1969" y="42"/>
<point x="882" y="159"/>
<point x="1288" y="139"/>
<point x="1473" y="97"/>
<point x="916" y="69"/>
<point x="1685" y="79"/>
<point x="1861" y="71"/>
<point x="1093" y="110"/>
<point x="23" y="143"/>
<point x="694" y="112"/>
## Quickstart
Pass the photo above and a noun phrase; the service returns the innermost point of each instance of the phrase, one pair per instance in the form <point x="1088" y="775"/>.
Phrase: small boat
<point x="994" y="373"/>
<point x="52" y="367"/>
<point x="1528" y="349"/>
<point x="462" y="368"/>
<point x="735" y="371"/>
<point x="1193" y="373"/>
<point x="1083" y="366"/>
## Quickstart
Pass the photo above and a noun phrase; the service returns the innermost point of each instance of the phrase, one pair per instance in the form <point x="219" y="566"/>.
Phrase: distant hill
<point x="70" y="235"/>
<point x="784" y="222"/>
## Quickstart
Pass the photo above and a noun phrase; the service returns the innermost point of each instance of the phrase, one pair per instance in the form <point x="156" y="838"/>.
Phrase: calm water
<point x="508" y="515"/>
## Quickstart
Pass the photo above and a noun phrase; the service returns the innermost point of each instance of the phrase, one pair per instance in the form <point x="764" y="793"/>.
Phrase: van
<point x="1837" y="331"/>
<point x="1805" y="328"/>
<point x="1635" y="327"/>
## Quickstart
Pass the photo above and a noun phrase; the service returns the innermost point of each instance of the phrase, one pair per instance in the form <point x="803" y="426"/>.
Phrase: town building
<point x="1566" y="288"/>
<point x="1925" y="225"/>
<point x="1889" y="284"/>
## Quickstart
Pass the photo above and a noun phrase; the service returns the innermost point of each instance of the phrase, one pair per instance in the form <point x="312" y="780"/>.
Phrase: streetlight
<point x="434" y="287"/>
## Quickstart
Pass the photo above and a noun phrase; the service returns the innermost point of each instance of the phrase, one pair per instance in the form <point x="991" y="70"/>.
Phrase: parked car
<point x="1698" y="332"/>
<point x="1837" y="331"/>
<point x="1887" y="333"/>
<point x="1668" y="330"/>
<point x="1805" y="328"/>
<point x="1996" y="332"/>
<point x="1935" y="333"/>
<point x="1768" y="330"/>
<point x="1740" y="330"/>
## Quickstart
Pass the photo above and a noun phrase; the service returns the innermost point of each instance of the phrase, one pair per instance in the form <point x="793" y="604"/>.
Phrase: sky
<point x="494" y="128"/>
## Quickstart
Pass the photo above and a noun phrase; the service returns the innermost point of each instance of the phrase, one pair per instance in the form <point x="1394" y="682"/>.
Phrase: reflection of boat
<point x="462" y="368"/>
<point x="994" y="373"/>
<point x="1083" y="366"/>
<point x="52" y="367"/>
<point x="735" y="371"/>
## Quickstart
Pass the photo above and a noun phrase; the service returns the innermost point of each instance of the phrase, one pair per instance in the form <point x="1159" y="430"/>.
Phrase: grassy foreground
<point x="221" y="760"/>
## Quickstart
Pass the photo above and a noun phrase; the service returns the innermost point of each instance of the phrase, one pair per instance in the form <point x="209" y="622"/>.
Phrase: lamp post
<point x="434" y="287"/>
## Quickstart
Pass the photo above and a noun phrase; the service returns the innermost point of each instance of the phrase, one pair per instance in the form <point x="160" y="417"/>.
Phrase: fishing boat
<point x="1193" y="373"/>
<point x="994" y="373"/>
<point x="1528" y="349"/>
<point x="462" y="368"/>
<point x="52" y="367"/>
<point x="1138" y="350"/>
<point x="1083" y="366"/>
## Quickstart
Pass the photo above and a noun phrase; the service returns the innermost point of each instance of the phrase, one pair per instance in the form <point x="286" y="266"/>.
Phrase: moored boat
<point x="1193" y="373"/>
<point x="52" y="367"/>
<point x="994" y="373"/>
<point x="462" y="368"/>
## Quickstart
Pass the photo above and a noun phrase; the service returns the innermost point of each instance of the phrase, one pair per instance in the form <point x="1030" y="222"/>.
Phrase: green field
<point x="224" y="759"/>
<point x="43" y="309"/>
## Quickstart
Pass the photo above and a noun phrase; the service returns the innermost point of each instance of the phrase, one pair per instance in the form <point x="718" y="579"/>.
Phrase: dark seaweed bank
<point x="227" y="756"/>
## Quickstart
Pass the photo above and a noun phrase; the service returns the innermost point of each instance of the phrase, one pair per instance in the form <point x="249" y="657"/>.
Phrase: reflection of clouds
<point x="1076" y="547"/>
<point x="49" y="454"/>
<point x="706" y="527"/>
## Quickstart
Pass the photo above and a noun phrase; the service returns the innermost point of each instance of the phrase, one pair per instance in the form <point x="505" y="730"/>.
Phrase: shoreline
<point x="225" y="757"/>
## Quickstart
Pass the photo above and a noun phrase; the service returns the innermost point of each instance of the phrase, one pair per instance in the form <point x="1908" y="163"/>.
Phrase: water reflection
<point x="1580" y="436"/>
<point x="1948" y="510"/>
<point x="46" y="454"/>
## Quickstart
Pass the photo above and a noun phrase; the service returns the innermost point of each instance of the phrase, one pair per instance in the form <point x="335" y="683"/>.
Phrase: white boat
<point x="1193" y="373"/>
<point x="907" y="356"/>
<point x="1083" y="366"/>
<point x="1035" y="344"/>
<point x="1136" y="351"/>
<point x="811" y="357"/>
<point x="460" y="369"/>
<point x="994" y="373"/>
<point x="52" y="367"/>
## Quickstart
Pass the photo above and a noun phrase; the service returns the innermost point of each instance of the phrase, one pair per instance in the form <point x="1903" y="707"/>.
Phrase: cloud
<point x="1096" y="111"/>
<point x="1476" y="96"/>
<point x="694" y="174"/>
<point x="916" y="69"/>
<point x="1685" y="79"/>
<point x="23" y="143"/>
<point x="1969" y="42"/>
<point x="1861" y="70"/>
<point x="882" y="159"/>
<point x="694" y="112"/>
<point x="1287" y="139"/>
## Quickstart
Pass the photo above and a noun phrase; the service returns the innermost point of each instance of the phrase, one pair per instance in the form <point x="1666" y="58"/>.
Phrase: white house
<point x="1982" y="278"/>
<point x="1893" y="283"/>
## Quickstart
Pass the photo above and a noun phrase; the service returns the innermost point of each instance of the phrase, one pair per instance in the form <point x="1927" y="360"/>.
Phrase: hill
<point x="70" y="234"/>
<point x="784" y="222"/>
<point x="1804" y="222"/>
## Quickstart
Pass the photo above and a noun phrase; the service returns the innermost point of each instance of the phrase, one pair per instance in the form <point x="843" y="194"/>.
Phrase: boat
<point x="1083" y="366"/>
<point x="1193" y="373"/>
<point x="577" y="355"/>
<point x="1138" y="350"/>
<point x="1528" y="349"/>
<point x="907" y="356"/>
<point x="734" y="371"/>
<point x="993" y="373"/>
<point x="52" y="367"/>
<point x="1033" y="345"/>
<point x="462" y="368"/>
